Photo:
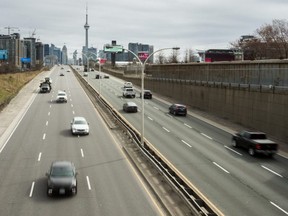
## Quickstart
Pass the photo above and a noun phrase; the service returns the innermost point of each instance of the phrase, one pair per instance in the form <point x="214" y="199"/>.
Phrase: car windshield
<point x="80" y="122"/>
<point x="258" y="136"/>
<point x="62" y="171"/>
<point x="61" y="94"/>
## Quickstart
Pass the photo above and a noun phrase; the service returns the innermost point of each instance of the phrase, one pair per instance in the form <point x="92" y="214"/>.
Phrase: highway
<point x="235" y="182"/>
<point x="107" y="183"/>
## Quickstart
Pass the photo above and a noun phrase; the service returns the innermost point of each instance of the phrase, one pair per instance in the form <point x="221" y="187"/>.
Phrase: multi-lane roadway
<point x="235" y="182"/>
<point x="107" y="183"/>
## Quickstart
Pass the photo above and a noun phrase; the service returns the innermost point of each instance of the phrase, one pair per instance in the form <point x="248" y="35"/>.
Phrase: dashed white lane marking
<point x="233" y="150"/>
<point x="271" y="171"/>
<point x="187" y="125"/>
<point x="206" y="136"/>
<point x="220" y="167"/>
<point x="156" y="108"/>
<point x="279" y="207"/>
<point x="32" y="188"/>
<point x="46" y="123"/>
<point x="186" y="143"/>
<point x="48" y="113"/>
<point x="44" y="136"/>
<point x="166" y="129"/>
<point x="39" y="156"/>
<point x="82" y="153"/>
<point x="88" y="182"/>
<point x="150" y="118"/>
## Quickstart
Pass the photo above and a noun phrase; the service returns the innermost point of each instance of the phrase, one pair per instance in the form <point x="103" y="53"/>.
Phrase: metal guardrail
<point x="191" y="195"/>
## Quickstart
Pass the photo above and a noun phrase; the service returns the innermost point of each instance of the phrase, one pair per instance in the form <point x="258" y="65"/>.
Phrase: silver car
<point x="79" y="125"/>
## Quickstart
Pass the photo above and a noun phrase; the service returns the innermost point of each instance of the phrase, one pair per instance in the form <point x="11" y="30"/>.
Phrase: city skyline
<point x="183" y="23"/>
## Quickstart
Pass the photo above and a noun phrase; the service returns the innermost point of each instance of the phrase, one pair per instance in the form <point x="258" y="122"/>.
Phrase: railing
<point x="189" y="193"/>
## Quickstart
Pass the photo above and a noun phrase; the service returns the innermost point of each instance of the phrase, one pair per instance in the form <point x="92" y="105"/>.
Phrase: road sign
<point x="113" y="49"/>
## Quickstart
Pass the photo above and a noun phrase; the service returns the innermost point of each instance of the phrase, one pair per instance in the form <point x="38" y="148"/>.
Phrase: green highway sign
<point x="113" y="49"/>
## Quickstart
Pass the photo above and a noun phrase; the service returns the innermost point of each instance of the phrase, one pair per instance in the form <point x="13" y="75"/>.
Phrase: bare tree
<point x="160" y="58"/>
<point x="174" y="57"/>
<point x="269" y="41"/>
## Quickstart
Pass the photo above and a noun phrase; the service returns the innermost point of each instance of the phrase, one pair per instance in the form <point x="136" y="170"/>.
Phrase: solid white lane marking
<point x="206" y="136"/>
<point x="150" y="118"/>
<point x="88" y="182"/>
<point x="166" y="129"/>
<point x="82" y="153"/>
<point x="187" y="125"/>
<point x="220" y="167"/>
<point x="232" y="150"/>
<point x="186" y="143"/>
<point x="39" y="156"/>
<point x="32" y="188"/>
<point x="271" y="171"/>
<point x="44" y="136"/>
<point x="279" y="208"/>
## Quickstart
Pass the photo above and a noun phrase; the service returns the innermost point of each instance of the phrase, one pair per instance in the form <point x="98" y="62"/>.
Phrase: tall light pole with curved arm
<point x="142" y="84"/>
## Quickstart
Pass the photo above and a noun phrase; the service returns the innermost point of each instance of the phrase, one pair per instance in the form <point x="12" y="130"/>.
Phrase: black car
<point x="147" y="94"/>
<point x="98" y="76"/>
<point x="62" y="178"/>
<point x="178" y="109"/>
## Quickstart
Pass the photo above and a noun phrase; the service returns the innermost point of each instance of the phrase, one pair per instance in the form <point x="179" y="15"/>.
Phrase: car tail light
<point x="258" y="146"/>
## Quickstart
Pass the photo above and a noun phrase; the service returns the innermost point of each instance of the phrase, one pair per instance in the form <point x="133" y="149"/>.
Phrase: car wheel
<point x="251" y="151"/>
<point x="234" y="143"/>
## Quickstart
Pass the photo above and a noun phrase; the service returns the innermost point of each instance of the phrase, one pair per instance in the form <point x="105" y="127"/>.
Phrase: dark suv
<point x="178" y="109"/>
<point x="147" y="94"/>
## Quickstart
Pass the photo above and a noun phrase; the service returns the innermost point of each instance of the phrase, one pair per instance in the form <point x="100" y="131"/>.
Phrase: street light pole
<point x="142" y="84"/>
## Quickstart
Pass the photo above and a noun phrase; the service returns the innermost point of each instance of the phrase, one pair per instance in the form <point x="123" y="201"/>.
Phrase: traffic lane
<point x="249" y="171"/>
<point x="167" y="129"/>
<point x="209" y="176"/>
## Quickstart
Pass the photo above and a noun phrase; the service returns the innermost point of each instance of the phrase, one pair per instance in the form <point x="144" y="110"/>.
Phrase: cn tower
<point x="86" y="27"/>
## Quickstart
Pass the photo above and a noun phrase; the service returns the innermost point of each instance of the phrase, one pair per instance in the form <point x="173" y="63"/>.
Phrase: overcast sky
<point x="188" y="24"/>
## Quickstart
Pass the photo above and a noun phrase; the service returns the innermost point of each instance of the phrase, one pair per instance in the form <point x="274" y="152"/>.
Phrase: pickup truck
<point x="254" y="142"/>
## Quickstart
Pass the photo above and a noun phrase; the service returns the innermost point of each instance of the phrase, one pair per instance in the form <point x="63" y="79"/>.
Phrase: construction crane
<point x="10" y="28"/>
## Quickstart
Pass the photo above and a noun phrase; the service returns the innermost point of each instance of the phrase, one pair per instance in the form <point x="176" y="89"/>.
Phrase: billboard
<point x="3" y="54"/>
<point x="25" y="60"/>
<point x="143" y="55"/>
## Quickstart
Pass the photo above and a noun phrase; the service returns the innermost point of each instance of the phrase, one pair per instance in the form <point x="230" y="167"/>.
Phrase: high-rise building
<point x="64" y="59"/>
<point x="141" y="50"/>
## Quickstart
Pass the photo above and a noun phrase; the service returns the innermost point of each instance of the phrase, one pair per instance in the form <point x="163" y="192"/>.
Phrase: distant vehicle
<point x="62" y="178"/>
<point x="129" y="92"/>
<point x="130" y="107"/>
<point x="85" y="74"/>
<point x="79" y="125"/>
<point x="62" y="68"/>
<point x="48" y="80"/>
<point x="213" y="55"/>
<point x="147" y="94"/>
<point x="178" y="109"/>
<point x="97" y="76"/>
<point x="106" y="76"/>
<point x="92" y="69"/>
<point x="61" y="74"/>
<point x="68" y="71"/>
<point x="128" y="85"/>
<point x="61" y="97"/>
<point x="44" y="87"/>
<point x="254" y="142"/>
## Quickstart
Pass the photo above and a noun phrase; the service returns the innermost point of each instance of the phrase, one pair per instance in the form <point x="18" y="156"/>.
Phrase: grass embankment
<point x="10" y="85"/>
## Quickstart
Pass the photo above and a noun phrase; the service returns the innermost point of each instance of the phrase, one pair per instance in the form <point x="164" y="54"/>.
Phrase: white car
<point x="128" y="85"/>
<point x="85" y="74"/>
<point x="79" y="125"/>
<point x="129" y="92"/>
<point x="61" y="97"/>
